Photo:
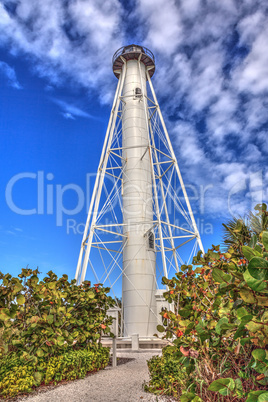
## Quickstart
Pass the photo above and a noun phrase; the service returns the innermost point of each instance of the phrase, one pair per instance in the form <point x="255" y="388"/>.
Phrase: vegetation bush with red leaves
<point x="219" y="323"/>
<point x="42" y="320"/>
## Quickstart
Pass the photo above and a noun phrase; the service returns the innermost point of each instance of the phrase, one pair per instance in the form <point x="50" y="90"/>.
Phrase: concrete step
<point x="127" y="343"/>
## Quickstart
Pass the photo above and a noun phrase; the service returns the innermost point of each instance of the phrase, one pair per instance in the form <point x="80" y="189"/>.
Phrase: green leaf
<point x="50" y="319"/>
<point x="258" y="268"/>
<point x="258" y="248"/>
<point x="261" y="207"/>
<point x="16" y="342"/>
<point x="264" y="381"/>
<point x="254" y="326"/>
<point x="217" y="303"/>
<point x="253" y="241"/>
<point x="249" y="252"/>
<point x="254" y="284"/>
<point x="240" y="332"/>
<point x="4" y="314"/>
<point x="190" y="397"/>
<point x="220" y="277"/>
<point x="238" y="385"/>
<point x="17" y="287"/>
<point x="245" y="341"/>
<point x="239" y="226"/>
<point x="160" y="328"/>
<point x="247" y="296"/>
<point x="34" y="280"/>
<point x="213" y="255"/>
<point x="185" y="312"/>
<point x="38" y="377"/>
<point x="228" y="326"/>
<point x="189" y="328"/>
<point x="223" y="320"/>
<point x="246" y="318"/>
<point x="265" y="240"/>
<point x="200" y="327"/>
<point x="20" y="299"/>
<point x="253" y="396"/>
<point x="265" y="316"/>
<point x="263" y="397"/>
<point x="60" y="340"/>
<point x="262" y="301"/>
<point x="259" y="355"/>
<point x="90" y="294"/>
<point x="240" y="312"/>
<point x="224" y="386"/>
<point x="40" y="353"/>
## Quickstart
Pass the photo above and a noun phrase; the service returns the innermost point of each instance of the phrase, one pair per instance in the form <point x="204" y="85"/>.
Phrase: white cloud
<point x="4" y="17"/>
<point x="100" y="21"/>
<point x="251" y="75"/>
<point x="206" y="78"/>
<point x="68" y="116"/>
<point x="70" y="111"/>
<point x="233" y="173"/>
<point x="190" y="8"/>
<point x="251" y="26"/>
<point x="221" y="118"/>
<point x="187" y="144"/>
<point x="9" y="75"/>
<point x="255" y="110"/>
<point x="75" y="40"/>
<point x="162" y="22"/>
<point x="211" y="70"/>
<point x="262" y="140"/>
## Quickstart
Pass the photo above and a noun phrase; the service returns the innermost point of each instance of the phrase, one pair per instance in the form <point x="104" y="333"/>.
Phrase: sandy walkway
<point x="120" y="384"/>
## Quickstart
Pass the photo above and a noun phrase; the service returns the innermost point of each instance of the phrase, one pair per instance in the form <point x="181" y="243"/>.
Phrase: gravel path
<point x="120" y="384"/>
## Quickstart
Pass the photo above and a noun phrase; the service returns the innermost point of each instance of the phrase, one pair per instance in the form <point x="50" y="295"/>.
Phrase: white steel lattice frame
<point x="166" y="177"/>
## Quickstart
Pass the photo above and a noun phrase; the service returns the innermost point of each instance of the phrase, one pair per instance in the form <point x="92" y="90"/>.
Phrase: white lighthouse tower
<point x="139" y="208"/>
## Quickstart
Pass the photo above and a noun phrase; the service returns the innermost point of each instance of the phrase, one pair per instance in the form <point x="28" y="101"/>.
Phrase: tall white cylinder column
<point x="139" y="283"/>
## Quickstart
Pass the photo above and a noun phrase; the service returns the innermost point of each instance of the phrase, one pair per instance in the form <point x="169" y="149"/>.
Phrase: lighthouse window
<point x="137" y="91"/>
<point x="151" y="241"/>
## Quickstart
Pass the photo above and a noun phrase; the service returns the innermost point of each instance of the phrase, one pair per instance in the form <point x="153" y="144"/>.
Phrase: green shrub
<point x="20" y="379"/>
<point x="50" y="330"/>
<point x="167" y="375"/>
<point x="220" y="325"/>
<point x="44" y="318"/>
<point x="17" y="377"/>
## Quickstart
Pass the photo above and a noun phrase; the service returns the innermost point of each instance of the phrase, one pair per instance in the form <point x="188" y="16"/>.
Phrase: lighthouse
<point x="139" y="158"/>
<point x="139" y="263"/>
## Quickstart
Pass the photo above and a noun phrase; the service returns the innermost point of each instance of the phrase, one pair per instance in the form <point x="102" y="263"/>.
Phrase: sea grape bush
<point x="42" y="320"/>
<point x="43" y="317"/>
<point x="219" y="325"/>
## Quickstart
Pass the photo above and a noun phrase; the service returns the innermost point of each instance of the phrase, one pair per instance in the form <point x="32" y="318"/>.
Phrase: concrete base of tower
<point x="144" y="322"/>
<point x="127" y="343"/>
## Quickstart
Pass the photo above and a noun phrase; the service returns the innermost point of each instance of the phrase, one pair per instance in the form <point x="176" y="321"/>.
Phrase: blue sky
<point x="57" y="86"/>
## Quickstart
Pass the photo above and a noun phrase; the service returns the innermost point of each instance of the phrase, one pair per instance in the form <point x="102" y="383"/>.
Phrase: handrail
<point x="130" y="48"/>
